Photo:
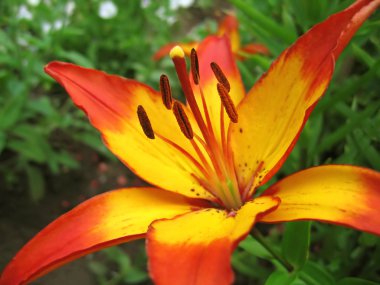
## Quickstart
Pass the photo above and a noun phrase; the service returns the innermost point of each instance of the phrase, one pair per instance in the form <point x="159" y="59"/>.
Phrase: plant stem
<point x="260" y="238"/>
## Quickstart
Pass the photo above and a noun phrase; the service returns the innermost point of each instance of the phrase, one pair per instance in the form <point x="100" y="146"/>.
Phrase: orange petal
<point x="105" y="220"/>
<point x="195" y="248"/>
<point x="339" y="194"/>
<point x="218" y="50"/>
<point x="165" y="50"/>
<point x="255" y="48"/>
<point x="230" y="27"/>
<point x="111" y="104"/>
<point x="275" y="110"/>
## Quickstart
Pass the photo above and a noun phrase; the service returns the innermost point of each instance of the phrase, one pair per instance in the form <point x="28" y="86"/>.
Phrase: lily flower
<point x="229" y="27"/>
<point x="206" y="160"/>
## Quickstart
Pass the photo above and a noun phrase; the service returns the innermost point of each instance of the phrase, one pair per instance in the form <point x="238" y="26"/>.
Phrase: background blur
<point x="51" y="159"/>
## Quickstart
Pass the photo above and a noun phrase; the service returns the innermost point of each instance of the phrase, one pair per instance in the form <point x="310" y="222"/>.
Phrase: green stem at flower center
<point x="256" y="234"/>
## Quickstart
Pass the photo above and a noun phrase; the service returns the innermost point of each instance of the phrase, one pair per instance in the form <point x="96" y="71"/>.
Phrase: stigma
<point x="213" y="157"/>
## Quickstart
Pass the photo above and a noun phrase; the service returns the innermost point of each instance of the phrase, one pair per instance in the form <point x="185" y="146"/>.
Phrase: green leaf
<point x="31" y="143"/>
<point x="75" y="57"/>
<point x="253" y="247"/>
<point x="10" y="113"/>
<point x="355" y="281"/>
<point x="355" y="121"/>
<point x="28" y="150"/>
<point x="362" y="55"/>
<point x="246" y="74"/>
<point x="279" y="277"/>
<point x="275" y="29"/>
<point x="66" y="159"/>
<point x="368" y="240"/>
<point x="43" y="106"/>
<point x="93" y="141"/>
<point x="5" y="41"/>
<point x="295" y="243"/>
<point x="366" y="149"/>
<point x="135" y="275"/>
<point x="3" y="141"/>
<point x="315" y="274"/>
<point x="36" y="183"/>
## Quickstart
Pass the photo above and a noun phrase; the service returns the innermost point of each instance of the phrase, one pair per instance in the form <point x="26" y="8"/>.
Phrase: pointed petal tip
<point x="295" y="81"/>
<point x="53" y="64"/>
<point x="53" y="67"/>
<point x="99" y="222"/>
<point x="48" y="68"/>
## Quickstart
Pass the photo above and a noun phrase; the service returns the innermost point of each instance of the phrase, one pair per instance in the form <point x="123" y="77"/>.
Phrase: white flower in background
<point x="58" y="24"/>
<point x="46" y="27"/>
<point x="69" y="8"/>
<point x="145" y="3"/>
<point x="175" y="4"/>
<point x="24" y="13"/>
<point x="107" y="10"/>
<point x="22" y="42"/>
<point x="162" y="14"/>
<point x="33" y="2"/>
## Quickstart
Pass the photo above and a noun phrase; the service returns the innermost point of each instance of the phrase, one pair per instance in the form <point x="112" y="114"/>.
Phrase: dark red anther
<point x="166" y="91"/>
<point x="145" y="122"/>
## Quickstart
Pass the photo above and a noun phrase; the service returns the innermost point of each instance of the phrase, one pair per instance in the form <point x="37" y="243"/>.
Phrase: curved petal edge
<point x="108" y="219"/>
<point x="195" y="248"/>
<point x="339" y="194"/>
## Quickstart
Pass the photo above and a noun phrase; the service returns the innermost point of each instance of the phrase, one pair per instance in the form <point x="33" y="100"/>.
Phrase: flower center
<point x="214" y="157"/>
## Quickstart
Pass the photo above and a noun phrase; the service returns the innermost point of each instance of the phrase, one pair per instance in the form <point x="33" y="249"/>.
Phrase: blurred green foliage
<point x="36" y="117"/>
<point x="126" y="270"/>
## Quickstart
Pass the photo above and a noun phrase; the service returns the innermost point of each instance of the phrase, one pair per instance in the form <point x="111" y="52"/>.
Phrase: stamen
<point x="178" y="57"/>
<point x="197" y="165"/>
<point x="227" y="103"/>
<point x="145" y="122"/>
<point x="220" y="76"/>
<point x="194" y="66"/>
<point x="183" y="120"/>
<point x="166" y="91"/>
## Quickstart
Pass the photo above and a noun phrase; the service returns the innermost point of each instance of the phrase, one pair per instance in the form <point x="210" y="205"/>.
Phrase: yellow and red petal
<point x="218" y="50"/>
<point x="230" y="27"/>
<point x="339" y="194"/>
<point x="107" y="219"/>
<point x="195" y="248"/>
<point x="275" y="110"/>
<point x="111" y="104"/>
<point x="165" y="50"/>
